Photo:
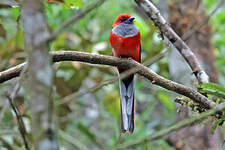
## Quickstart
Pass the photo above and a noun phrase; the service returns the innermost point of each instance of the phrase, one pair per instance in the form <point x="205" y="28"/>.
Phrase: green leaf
<point x="218" y="94"/>
<point x="85" y="130"/>
<point x="213" y="86"/>
<point x="213" y="89"/>
<point x="215" y="125"/>
<point x="48" y="8"/>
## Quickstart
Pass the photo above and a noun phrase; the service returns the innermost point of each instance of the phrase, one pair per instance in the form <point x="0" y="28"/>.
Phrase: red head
<point x="120" y="18"/>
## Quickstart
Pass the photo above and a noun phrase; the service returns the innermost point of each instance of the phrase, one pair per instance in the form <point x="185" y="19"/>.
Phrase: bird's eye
<point x="122" y="19"/>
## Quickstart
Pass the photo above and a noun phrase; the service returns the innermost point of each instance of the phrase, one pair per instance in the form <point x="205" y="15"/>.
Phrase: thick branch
<point x="168" y="32"/>
<point x="126" y="63"/>
<point x="123" y="75"/>
<point x="175" y="127"/>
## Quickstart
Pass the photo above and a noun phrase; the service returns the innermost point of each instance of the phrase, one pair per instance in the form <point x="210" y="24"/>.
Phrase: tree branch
<point x="12" y="72"/>
<point x="175" y="127"/>
<point x="123" y="75"/>
<point x="126" y="64"/>
<point x="168" y="32"/>
<point x="22" y="128"/>
<point x="6" y="144"/>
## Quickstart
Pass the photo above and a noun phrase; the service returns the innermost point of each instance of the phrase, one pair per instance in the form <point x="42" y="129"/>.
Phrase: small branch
<point x="14" y="92"/>
<point x="177" y="126"/>
<point x="22" y="128"/>
<point x="6" y="144"/>
<point x="10" y="98"/>
<point x="127" y="64"/>
<point x="78" y="15"/>
<point x="168" y="32"/>
<point x="11" y="73"/>
<point x="8" y="3"/>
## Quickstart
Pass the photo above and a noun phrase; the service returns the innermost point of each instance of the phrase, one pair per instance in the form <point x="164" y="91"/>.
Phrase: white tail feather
<point x="127" y="102"/>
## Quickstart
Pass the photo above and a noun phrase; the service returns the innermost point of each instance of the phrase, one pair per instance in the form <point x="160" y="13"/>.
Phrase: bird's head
<point x="123" y="18"/>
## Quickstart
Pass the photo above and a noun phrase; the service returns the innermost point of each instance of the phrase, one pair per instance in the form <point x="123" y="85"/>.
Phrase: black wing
<point x="140" y="54"/>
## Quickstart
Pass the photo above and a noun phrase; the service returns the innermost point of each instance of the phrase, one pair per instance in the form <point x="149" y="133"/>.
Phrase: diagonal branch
<point x="6" y="144"/>
<point x="12" y="72"/>
<point x="126" y="64"/>
<point x="168" y="32"/>
<point x="175" y="127"/>
<point x="21" y="125"/>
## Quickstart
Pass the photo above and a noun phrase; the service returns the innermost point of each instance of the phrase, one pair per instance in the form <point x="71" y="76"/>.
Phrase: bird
<point x="125" y="41"/>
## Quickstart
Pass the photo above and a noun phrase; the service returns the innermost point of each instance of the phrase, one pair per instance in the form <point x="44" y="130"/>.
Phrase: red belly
<point x="126" y="46"/>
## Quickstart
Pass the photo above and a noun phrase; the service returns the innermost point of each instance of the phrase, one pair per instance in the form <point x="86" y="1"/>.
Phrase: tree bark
<point x="40" y="75"/>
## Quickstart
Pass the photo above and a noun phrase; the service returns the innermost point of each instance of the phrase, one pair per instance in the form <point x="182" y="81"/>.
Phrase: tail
<point x="127" y="104"/>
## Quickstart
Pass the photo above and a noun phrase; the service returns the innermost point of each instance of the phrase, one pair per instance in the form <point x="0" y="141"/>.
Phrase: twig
<point x="78" y="15"/>
<point x="11" y="72"/>
<point x="168" y="32"/>
<point x="127" y="64"/>
<point x="172" y="128"/>
<point x="14" y="93"/>
<point x="8" y="4"/>
<point x="6" y="144"/>
<point x="22" y="128"/>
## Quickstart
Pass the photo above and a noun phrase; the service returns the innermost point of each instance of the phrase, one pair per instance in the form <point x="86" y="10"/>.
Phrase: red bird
<point x="125" y="42"/>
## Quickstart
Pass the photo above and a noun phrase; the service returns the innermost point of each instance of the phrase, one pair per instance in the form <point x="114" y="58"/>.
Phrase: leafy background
<point x="92" y="120"/>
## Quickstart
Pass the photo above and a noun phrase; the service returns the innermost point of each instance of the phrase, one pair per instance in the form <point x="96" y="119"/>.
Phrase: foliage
<point x="218" y="91"/>
<point x="213" y="89"/>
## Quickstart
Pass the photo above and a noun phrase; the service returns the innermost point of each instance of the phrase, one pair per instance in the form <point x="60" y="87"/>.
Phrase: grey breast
<point x="125" y="30"/>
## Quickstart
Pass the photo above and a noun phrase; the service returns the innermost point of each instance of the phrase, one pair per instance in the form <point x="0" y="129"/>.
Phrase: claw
<point x="130" y="58"/>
